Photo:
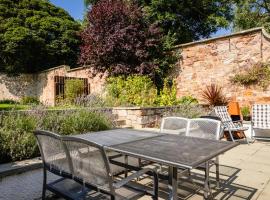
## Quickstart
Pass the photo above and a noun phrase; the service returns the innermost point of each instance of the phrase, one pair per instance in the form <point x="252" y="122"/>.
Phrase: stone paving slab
<point x="245" y="174"/>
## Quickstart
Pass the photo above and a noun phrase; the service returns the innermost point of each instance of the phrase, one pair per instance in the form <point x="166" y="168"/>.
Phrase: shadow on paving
<point x="188" y="188"/>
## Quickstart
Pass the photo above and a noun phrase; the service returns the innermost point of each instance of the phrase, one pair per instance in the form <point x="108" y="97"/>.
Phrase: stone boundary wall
<point x="46" y="89"/>
<point x="15" y="87"/>
<point x="217" y="60"/>
<point x="41" y="85"/>
<point x="214" y="60"/>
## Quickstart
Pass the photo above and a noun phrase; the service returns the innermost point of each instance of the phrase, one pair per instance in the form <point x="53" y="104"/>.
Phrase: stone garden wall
<point x="203" y="62"/>
<point x="42" y="84"/>
<point x="218" y="60"/>
<point x="15" y="87"/>
<point x="46" y="87"/>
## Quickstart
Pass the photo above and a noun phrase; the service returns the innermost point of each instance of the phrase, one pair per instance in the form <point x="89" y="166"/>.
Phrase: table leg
<point x="207" y="189"/>
<point x="173" y="184"/>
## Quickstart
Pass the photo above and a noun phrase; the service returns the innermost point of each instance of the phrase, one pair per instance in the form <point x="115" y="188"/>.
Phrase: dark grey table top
<point x="117" y="136"/>
<point x="175" y="150"/>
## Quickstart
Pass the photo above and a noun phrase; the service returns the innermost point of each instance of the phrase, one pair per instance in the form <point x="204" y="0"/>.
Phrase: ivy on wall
<point x="258" y="74"/>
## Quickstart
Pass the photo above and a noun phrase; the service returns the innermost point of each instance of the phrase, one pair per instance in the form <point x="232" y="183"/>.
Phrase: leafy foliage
<point x="35" y="35"/>
<point x="185" y="21"/>
<point x="187" y="110"/>
<point x="30" y="100"/>
<point x="252" y="13"/>
<point x="18" y="140"/>
<point x="73" y="89"/>
<point x="167" y="96"/>
<point x="119" y="41"/>
<point x="133" y="90"/>
<point x="16" y="132"/>
<point x="188" y="100"/>
<point x="257" y="74"/>
<point x="8" y="101"/>
<point x="141" y="91"/>
<point x="214" y="96"/>
<point x="245" y="111"/>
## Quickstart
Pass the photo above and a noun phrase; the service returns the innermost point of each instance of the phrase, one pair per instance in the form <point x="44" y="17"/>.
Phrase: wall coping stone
<point x="55" y="68"/>
<point x="258" y="29"/>
<point x="145" y="108"/>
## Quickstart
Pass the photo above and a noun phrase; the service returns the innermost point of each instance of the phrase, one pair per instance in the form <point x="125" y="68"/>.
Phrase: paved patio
<point x="245" y="174"/>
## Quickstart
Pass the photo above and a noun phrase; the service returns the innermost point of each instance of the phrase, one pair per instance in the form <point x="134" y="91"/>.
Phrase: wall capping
<point x="253" y="30"/>
<point x="55" y="68"/>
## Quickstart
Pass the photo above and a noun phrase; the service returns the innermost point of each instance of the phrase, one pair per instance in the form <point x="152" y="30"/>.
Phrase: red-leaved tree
<point x="119" y="41"/>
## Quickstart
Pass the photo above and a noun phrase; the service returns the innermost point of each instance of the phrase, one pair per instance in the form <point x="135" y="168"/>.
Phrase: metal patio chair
<point x="260" y="120"/>
<point x="208" y="129"/>
<point x="56" y="161"/>
<point x="90" y="167"/>
<point x="174" y="125"/>
<point x="229" y="125"/>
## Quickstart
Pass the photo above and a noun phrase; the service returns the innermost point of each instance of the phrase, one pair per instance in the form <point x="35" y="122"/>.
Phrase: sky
<point x="76" y="9"/>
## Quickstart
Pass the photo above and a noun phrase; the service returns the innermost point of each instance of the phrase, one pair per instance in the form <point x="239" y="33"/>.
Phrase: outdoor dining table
<point x="174" y="151"/>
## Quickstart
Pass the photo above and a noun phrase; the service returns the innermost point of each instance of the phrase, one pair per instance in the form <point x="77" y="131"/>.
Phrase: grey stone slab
<point x="12" y="168"/>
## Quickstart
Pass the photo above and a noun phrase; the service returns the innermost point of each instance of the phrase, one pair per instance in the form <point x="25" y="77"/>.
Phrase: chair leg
<point x="231" y="135"/>
<point x="155" y="178"/>
<point x="112" y="197"/>
<point x="217" y="172"/>
<point x="44" y="184"/>
<point x="126" y="162"/>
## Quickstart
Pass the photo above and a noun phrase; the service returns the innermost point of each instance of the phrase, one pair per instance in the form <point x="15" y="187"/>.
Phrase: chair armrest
<point x="135" y="175"/>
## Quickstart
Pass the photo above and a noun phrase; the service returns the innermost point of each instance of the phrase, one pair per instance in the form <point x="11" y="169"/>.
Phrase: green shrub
<point x="73" y="89"/>
<point x="134" y="90"/>
<point x="17" y="141"/>
<point x="245" y="111"/>
<point x="17" y="136"/>
<point x="257" y="74"/>
<point x="188" y="111"/>
<point x="30" y="100"/>
<point x="167" y="95"/>
<point x="8" y="101"/>
<point x="187" y="100"/>
<point x="75" y="122"/>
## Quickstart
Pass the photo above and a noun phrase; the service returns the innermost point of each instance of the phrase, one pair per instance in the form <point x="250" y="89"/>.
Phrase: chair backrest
<point x="261" y="116"/>
<point x="89" y="163"/>
<point x="223" y="114"/>
<point x="52" y="151"/>
<point x="174" y="125"/>
<point x="204" y="128"/>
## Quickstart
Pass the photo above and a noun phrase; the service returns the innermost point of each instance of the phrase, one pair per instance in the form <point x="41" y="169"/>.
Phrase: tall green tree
<point x="252" y="13"/>
<point x="35" y="35"/>
<point x="186" y="20"/>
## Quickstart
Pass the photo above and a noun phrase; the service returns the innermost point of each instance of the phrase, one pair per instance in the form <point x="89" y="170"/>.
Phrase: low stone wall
<point x="141" y="117"/>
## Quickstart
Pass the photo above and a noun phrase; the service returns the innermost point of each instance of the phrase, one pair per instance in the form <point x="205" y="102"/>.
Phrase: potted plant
<point x="245" y="113"/>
